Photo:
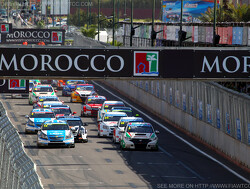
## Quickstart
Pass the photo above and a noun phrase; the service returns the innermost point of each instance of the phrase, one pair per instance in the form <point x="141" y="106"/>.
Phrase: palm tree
<point x="229" y="13"/>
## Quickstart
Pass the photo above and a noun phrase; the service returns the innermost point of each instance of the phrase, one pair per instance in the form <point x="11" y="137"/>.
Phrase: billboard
<point x="192" y="10"/>
<point x="14" y="86"/>
<point x="26" y="62"/>
<point x="34" y="36"/>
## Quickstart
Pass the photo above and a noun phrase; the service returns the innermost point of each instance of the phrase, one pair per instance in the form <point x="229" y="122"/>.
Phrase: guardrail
<point x="16" y="168"/>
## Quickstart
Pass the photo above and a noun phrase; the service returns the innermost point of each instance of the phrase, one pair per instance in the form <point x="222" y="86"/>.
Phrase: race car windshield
<point x="62" y="111"/>
<point x="140" y="129"/>
<point x="43" y="89"/>
<point x="96" y="101"/>
<point x="86" y="88"/>
<point x="55" y="127"/>
<point x="74" y="122"/>
<point x="31" y="85"/>
<point x="49" y="99"/>
<point x="111" y="106"/>
<point x="125" y="123"/>
<point x="129" y="113"/>
<point x="71" y="82"/>
<point x="42" y="115"/>
<point x="112" y="118"/>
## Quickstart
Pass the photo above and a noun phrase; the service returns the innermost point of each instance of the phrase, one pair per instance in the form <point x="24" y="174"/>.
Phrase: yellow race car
<point x="81" y="92"/>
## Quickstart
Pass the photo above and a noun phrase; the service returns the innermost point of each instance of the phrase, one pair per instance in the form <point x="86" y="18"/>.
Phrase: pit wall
<point x="216" y="116"/>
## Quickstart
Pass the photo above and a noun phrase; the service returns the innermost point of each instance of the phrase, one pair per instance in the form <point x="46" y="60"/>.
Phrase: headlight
<point x="70" y="135"/>
<point x="42" y="135"/>
<point x="31" y="123"/>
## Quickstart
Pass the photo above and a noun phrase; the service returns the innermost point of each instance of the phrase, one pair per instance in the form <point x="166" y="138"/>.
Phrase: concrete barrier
<point x="16" y="168"/>
<point x="216" y="116"/>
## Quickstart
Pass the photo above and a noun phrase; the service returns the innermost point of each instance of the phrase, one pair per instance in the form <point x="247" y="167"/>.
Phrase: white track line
<point x="177" y="136"/>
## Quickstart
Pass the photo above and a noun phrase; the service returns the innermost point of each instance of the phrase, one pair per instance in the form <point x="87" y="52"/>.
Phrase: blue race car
<point x="55" y="133"/>
<point x="42" y="99"/>
<point x="70" y="86"/>
<point x="77" y="126"/>
<point x="36" y="118"/>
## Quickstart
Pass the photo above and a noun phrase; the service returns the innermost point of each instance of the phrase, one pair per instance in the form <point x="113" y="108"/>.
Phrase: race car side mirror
<point x="137" y="115"/>
<point x="56" y="91"/>
<point x="85" y="124"/>
<point x="74" y="113"/>
<point x="26" y="116"/>
<point x="157" y="132"/>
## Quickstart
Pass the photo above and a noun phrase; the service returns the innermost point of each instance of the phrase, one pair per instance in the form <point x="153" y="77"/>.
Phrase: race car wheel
<point x="71" y="100"/>
<point x="72" y="146"/>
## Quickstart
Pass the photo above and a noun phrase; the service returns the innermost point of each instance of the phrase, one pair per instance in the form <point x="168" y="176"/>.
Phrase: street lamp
<point x="131" y="25"/>
<point x="153" y="24"/>
<point x="216" y="38"/>
<point x="99" y="22"/>
<point x="113" y="42"/>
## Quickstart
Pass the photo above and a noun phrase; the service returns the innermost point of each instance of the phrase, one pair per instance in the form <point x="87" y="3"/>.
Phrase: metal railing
<point x="16" y="168"/>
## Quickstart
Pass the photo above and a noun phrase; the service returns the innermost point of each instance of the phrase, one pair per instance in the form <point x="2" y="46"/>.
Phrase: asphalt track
<point x="101" y="164"/>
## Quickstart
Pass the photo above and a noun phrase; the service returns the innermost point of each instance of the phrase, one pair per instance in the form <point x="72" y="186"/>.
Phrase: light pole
<point x="153" y="24"/>
<point x="113" y="42"/>
<point x="180" y="33"/>
<point x="88" y="16"/>
<point x="99" y="23"/>
<point x="125" y="9"/>
<point x="98" y="20"/>
<point x="216" y="38"/>
<point x="131" y="25"/>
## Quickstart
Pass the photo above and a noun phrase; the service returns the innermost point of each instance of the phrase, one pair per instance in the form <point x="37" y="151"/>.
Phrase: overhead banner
<point x="131" y="63"/>
<point x="192" y="10"/>
<point x="34" y="36"/>
<point x="14" y="86"/>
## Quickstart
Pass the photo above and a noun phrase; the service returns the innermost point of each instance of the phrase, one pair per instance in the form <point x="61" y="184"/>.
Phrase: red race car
<point x="91" y="105"/>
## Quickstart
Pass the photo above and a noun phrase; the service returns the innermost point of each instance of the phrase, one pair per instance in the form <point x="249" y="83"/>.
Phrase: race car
<point x="62" y="110"/>
<point x="70" y="86"/>
<point x="36" y="118"/>
<point x="139" y="135"/>
<point x="39" y="90"/>
<point x="106" y="107"/>
<point x="91" y="105"/>
<point x="122" y="123"/>
<point x="55" y="133"/>
<point x="31" y="84"/>
<point x="77" y="126"/>
<point x="81" y="92"/>
<point x="61" y="84"/>
<point x="108" y="123"/>
<point x="42" y="99"/>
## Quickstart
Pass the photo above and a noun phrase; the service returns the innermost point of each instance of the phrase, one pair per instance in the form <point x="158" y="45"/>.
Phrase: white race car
<point x="122" y="123"/>
<point x="108" y="123"/>
<point x="139" y="135"/>
<point x="107" y="106"/>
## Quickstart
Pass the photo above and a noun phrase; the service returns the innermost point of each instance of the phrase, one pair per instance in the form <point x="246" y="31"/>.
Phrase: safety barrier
<point x="16" y="168"/>
<point x="216" y="115"/>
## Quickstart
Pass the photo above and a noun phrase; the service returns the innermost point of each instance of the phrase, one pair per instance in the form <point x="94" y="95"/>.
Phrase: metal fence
<point x="224" y="109"/>
<point x="198" y="34"/>
<point x="16" y="168"/>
